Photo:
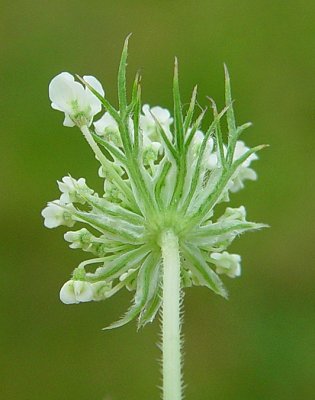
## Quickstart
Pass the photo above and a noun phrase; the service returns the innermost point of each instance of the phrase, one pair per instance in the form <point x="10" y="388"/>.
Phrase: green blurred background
<point x="260" y="344"/>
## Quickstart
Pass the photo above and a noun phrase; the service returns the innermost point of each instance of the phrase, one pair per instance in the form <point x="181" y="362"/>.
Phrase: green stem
<point x="171" y="324"/>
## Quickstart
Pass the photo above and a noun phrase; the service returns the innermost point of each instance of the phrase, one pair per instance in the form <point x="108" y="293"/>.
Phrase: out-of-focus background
<point x="259" y="344"/>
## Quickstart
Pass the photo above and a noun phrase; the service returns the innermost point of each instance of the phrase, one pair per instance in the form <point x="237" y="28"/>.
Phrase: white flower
<point x="77" y="291"/>
<point x="100" y="290"/>
<point x="210" y="156"/>
<point x="241" y="175"/>
<point x="229" y="264"/>
<point x="108" y="128"/>
<point x="148" y="124"/>
<point x="233" y="214"/>
<point x="241" y="149"/>
<point x="198" y="137"/>
<point x="73" y="189"/>
<point x="78" y="103"/>
<point x="151" y="152"/>
<point x="56" y="214"/>
<point x="74" y="292"/>
<point x="111" y="192"/>
<point x="106" y="122"/>
<point x="81" y="239"/>
<point x="130" y="281"/>
<point x="243" y="172"/>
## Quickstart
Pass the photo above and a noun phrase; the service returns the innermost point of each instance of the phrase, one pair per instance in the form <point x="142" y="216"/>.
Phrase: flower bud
<point x="107" y="127"/>
<point x="74" y="292"/>
<point x="57" y="214"/>
<point x="151" y="152"/>
<point x="79" y="239"/>
<point x="73" y="190"/>
<point x="228" y="264"/>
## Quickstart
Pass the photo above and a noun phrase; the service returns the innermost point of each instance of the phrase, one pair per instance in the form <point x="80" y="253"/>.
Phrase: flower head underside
<point x="160" y="172"/>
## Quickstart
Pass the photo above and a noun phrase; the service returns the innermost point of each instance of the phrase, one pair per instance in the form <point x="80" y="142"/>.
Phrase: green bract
<point x="159" y="174"/>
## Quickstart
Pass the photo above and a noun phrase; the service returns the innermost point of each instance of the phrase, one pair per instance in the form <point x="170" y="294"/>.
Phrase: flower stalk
<point x="171" y="321"/>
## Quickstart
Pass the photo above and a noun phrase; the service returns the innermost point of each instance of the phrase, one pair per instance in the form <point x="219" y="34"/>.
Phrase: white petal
<point x="93" y="103"/>
<point x="104" y="122"/>
<point x="226" y="263"/>
<point x="92" y="100"/>
<point x="66" y="184"/>
<point x="146" y="110"/>
<point x="51" y="215"/>
<point x="249" y="173"/>
<point x="240" y="149"/>
<point x="72" y="236"/>
<point x="95" y="83"/>
<point x="99" y="290"/>
<point x="238" y="270"/>
<point x="51" y="222"/>
<point x="68" y="121"/>
<point x="83" y="291"/>
<point x="61" y="91"/>
<point x="55" y="107"/>
<point x="79" y="95"/>
<point x="238" y="214"/>
<point x="81" y="182"/>
<point x="156" y="146"/>
<point x="212" y="161"/>
<point x="67" y="295"/>
<point x="216" y="256"/>
<point x="65" y="198"/>
<point x="162" y="114"/>
<point x="198" y="137"/>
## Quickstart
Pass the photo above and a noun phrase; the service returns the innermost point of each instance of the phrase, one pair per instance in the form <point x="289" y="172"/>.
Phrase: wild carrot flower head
<point x="160" y="172"/>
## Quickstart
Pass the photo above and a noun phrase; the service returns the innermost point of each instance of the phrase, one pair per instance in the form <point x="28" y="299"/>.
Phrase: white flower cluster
<point x="107" y="128"/>
<point x="161" y="172"/>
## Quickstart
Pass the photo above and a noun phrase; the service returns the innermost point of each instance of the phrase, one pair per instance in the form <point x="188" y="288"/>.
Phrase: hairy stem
<point x="171" y="324"/>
